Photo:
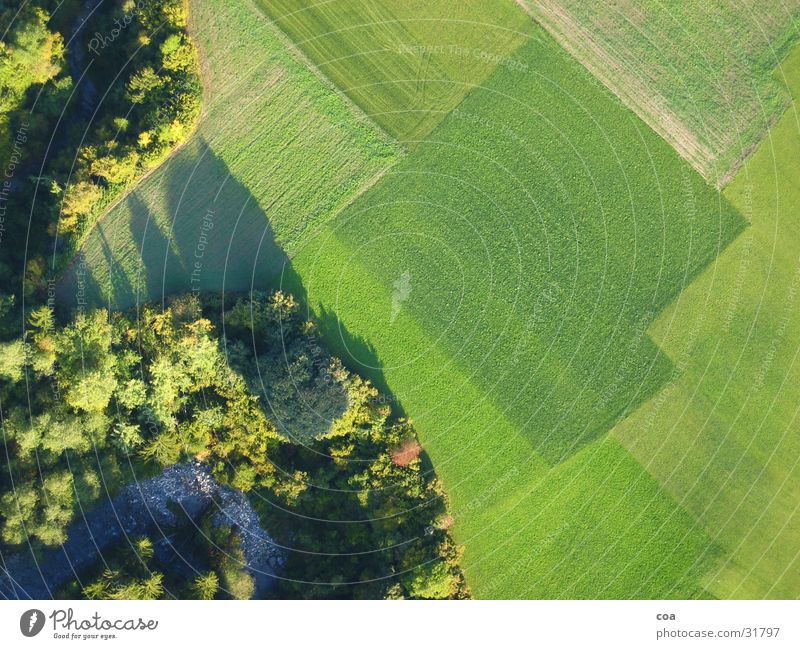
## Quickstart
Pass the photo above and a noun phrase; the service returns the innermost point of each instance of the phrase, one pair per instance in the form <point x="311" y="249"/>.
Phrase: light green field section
<point x="500" y="281"/>
<point x="277" y="153"/>
<point x="699" y="73"/>
<point x="589" y="527"/>
<point x="724" y="436"/>
<point x="406" y="64"/>
<point x="595" y="527"/>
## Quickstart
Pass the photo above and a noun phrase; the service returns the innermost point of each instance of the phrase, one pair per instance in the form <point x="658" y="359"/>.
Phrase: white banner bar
<point x="389" y="625"/>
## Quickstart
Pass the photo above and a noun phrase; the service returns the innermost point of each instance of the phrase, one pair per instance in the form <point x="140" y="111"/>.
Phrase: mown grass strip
<point x="277" y="153"/>
<point x="723" y="438"/>
<point x="406" y="64"/>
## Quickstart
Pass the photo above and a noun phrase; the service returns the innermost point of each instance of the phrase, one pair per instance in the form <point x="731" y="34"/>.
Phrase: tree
<point x="59" y="501"/>
<point x="144" y="85"/>
<point x="85" y="362"/>
<point x="147" y="588"/>
<point x="235" y="580"/>
<point x="79" y="201"/>
<point x="42" y="320"/>
<point x="178" y="53"/>
<point x="41" y="512"/>
<point x="43" y="323"/>
<point x="432" y="581"/>
<point x="18" y="509"/>
<point x="12" y="360"/>
<point x="116" y="169"/>
<point x="206" y="586"/>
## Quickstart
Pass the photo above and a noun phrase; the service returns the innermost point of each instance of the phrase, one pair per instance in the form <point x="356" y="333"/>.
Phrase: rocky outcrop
<point x="179" y="495"/>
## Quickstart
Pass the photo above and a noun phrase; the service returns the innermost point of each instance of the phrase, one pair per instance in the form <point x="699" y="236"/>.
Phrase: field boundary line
<point x="363" y="189"/>
<point x="298" y="53"/>
<point x="683" y="141"/>
<point x="596" y="58"/>
<point x="203" y="74"/>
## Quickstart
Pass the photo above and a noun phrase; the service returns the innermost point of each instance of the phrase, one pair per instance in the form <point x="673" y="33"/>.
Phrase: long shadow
<point x="223" y="237"/>
<point x="157" y="261"/>
<point x="78" y="289"/>
<point x="119" y="280"/>
<point x="189" y="227"/>
<point x="356" y="352"/>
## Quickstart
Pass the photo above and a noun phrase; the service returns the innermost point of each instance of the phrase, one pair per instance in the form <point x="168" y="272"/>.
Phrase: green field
<point x="275" y="140"/>
<point x="540" y="271"/>
<point x="700" y="73"/>
<point x="406" y="64"/>
<point x="723" y="439"/>
<point x="538" y="232"/>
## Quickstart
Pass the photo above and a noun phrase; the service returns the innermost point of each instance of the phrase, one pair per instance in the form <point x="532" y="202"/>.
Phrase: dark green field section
<point x="406" y="64"/>
<point x="543" y="228"/>
<point x="500" y="282"/>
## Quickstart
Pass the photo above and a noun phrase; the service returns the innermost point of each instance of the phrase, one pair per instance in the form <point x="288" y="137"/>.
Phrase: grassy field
<point x="500" y="281"/>
<point x="275" y="141"/>
<point x="723" y="437"/>
<point x="406" y="64"/>
<point x="699" y="73"/>
<point x="542" y="269"/>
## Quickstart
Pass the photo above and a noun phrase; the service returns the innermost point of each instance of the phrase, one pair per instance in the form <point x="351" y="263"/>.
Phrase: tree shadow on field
<point x="360" y="356"/>
<point x="356" y="352"/>
<point x="120" y="283"/>
<point x="191" y="226"/>
<point x="156" y="260"/>
<point x="78" y="289"/>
